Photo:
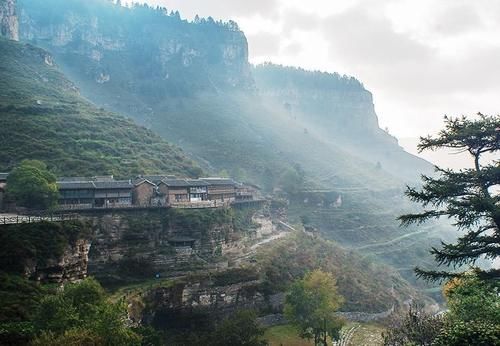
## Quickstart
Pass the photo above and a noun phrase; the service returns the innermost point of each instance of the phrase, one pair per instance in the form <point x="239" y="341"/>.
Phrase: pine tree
<point x="470" y="197"/>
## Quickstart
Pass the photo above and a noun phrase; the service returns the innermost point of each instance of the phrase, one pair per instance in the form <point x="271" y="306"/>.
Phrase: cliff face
<point x="176" y="56"/>
<point x="9" y="26"/>
<point x="53" y="252"/>
<point x="70" y="266"/>
<point x="137" y="245"/>
<point x="170" y="307"/>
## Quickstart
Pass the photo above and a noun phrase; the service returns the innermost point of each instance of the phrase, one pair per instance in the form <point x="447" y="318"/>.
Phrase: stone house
<point x="116" y="193"/>
<point x="145" y="194"/>
<point x="221" y="189"/>
<point x="198" y="190"/>
<point x="96" y="192"/>
<point x="174" y="190"/>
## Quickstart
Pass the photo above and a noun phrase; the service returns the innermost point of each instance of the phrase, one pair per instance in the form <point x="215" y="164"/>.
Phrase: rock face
<point x="9" y="26"/>
<point x="171" y="307"/>
<point x="70" y="266"/>
<point x="54" y="252"/>
<point x="141" y="244"/>
<point x="176" y="56"/>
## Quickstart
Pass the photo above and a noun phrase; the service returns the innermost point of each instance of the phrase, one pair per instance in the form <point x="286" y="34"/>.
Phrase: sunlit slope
<point x="340" y="111"/>
<point x="43" y="117"/>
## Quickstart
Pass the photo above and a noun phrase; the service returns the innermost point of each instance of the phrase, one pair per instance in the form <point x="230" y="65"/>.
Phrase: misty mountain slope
<point x="342" y="113"/>
<point x="43" y="117"/>
<point x="185" y="81"/>
<point x="192" y="83"/>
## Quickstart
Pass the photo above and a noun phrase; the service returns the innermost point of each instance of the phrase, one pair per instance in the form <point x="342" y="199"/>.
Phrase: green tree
<point x="82" y="310"/>
<point x="311" y="304"/>
<point x="241" y="329"/>
<point x="292" y="180"/>
<point x="471" y="299"/>
<point x="31" y="185"/>
<point x="466" y="196"/>
<point x="461" y="333"/>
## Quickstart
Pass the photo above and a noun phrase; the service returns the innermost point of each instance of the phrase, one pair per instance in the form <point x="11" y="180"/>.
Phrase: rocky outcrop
<point x="9" y="26"/>
<point x="175" y="55"/>
<point x="140" y="244"/>
<point x="202" y="298"/>
<point x="70" y="266"/>
<point x="49" y="252"/>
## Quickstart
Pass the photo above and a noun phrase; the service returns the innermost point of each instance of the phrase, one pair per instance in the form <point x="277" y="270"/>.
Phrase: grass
<point x="367" y="334"/>
<point x="285" y="335"/>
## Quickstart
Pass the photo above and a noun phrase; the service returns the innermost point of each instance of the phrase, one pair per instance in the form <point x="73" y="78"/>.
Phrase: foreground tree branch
<point x="469" y="197"/>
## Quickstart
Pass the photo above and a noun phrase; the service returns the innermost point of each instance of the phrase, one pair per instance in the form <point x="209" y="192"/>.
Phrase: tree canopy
<point x="81" y="315"/>
<point x="311" y="304"/>
<point x="31" y="185"/>
<point x="469" y="196"/>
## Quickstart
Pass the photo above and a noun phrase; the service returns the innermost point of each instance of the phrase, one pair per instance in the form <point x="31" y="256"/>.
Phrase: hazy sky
<point x="420" y="59"/>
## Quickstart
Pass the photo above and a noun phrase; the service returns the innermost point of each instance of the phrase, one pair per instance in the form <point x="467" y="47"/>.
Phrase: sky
<point x="420" y="59"/>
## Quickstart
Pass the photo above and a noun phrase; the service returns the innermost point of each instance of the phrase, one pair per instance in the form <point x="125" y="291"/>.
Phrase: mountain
<point x="341" y="111"/>
<point x="45" y="118"/>
<point x="312" y="135"/>
<point x="192" y="83"/>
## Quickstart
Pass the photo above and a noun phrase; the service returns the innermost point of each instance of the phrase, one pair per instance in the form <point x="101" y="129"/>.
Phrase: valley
<point x="191" y="185"/>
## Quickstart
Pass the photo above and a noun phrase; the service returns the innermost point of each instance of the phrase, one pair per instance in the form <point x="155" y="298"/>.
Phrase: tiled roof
<point x="196" y="182"/>
<point x="3" y="176"/>
<point x="115" y="184"/>
<point x="74" y="179"/>
<point x="142" y="180"/>
<point x="219" y="181"/>
<point x="175" y="182"/>
<point x="156" y="178"/>
<point x="75" y="185"/>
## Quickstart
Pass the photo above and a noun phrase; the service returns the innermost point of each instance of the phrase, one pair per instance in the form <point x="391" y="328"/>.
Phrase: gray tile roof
<point x="175" y="182"/>
<point x="115" y="184"/>
<point x="74" y="179"/>
<point x="196" y="182"/>
<point x="219" y="181"/>
<point x="75" y="185"/>
<point x="143" y="180"/>
<point x="156" y="178"/>
<point x="3" y="176"/>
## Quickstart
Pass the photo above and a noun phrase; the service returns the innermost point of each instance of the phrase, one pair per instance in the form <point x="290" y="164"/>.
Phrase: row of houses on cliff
<point x="150" y="191"/>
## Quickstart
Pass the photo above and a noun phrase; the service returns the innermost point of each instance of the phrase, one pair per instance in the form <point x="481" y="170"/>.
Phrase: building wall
<point x="221" y="192"/>
<point x="143" y="194"/>
<point x="174" y="194"/>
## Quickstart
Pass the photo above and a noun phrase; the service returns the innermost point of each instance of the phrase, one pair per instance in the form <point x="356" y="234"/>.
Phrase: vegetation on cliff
<point x="366" y="286"/>
<point x="44" y="118"/>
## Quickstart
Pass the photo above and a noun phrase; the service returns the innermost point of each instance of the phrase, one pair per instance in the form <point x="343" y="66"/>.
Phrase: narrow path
<point x="397" y="239"/>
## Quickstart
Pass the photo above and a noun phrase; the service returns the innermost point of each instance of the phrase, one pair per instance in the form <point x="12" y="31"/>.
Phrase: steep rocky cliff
<point x="338" y="109"/>
<point x="201" y="300"/>
<point x="176" y="56"/>
<point x="9" y="26"/>
<point x="133" y="245"/>
<point x="53" y="252"/>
